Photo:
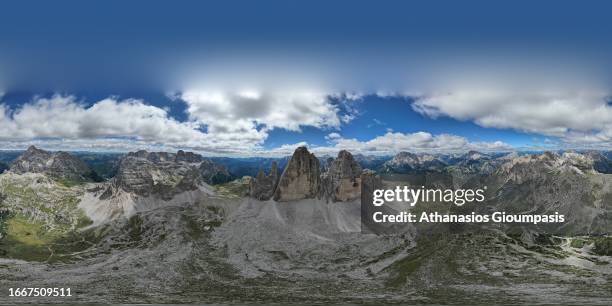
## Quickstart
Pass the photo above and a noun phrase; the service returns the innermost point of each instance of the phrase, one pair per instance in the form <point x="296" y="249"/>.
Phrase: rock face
<point x="550" y="182"/>
<point x="213" y="173"/>
<point x="342" y="182"/>
<point x="165" y="174"/>
<point x="301" y="177"/>
<point x="262" y="187"/>
<point x="601" y="163"/>
<point x="59" y="165"/>
<point x="405" y="162"/>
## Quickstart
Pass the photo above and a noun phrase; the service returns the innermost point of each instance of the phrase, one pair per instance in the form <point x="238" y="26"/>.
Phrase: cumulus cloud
<point x="246" y="110"/>
<point x="333" y="136"/>
<point x="419" y="141"/>
<point x="572" y="116"/>
<point x="392" y="143"/>
<point x="109" y="124"/>
<point x="64" y="117"/>
<point x="218" y="123"/>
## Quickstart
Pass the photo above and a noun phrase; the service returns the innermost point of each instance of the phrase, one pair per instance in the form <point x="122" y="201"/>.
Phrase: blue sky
<point x="256" y="78"/>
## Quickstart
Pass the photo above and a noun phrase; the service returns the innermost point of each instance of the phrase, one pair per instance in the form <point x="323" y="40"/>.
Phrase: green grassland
<point x="37" y="213"/>
<point x="234" y="189"/>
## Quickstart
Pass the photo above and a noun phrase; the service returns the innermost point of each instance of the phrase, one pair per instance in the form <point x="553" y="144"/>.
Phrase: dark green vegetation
<point x="220" y="178"/>
<point x="8" y="157"/>
<point x="3" y="167"/>
<point x="603" y="246"/>
<point x="235" y="189"/>
<point x="579" y="243"/>
<point x="240" y="167"/>
<point x="37" y="212"/>
<point x="104" y="165"/>
<point x="4" y="216"/>
<point x="91" y="176"/>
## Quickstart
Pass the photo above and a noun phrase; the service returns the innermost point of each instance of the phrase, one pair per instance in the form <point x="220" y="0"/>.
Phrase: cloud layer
<point x="250" y="115"/>
<point x="420" y="141"/>
<point x="577" y="118"/>
<point x="219" y="124"/>
<point x="239" y="123"/>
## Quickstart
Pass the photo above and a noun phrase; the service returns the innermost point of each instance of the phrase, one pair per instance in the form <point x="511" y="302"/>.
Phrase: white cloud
<point x="64" y="117"/>
<point x="392" y="143"/>
<point x="574" y="116"/>
<point x="109" y="124"/>
<point x="245" y="111"/>
<point x="333" y="136"/>
<point x="419" y="141"/>
<point x="235" y="124"/>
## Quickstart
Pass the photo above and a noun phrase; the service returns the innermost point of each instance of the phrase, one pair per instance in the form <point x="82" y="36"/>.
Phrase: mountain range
<point x="187" y="221"/>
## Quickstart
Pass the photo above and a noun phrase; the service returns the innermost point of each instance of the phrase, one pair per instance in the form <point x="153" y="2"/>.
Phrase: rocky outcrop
<point x="301" y="177"/>
<point x="262" y="187"/>
<point x="342" y="181"/>
<point x="213" y="173"/>
<point x="58" y="165"/>
<point x="541" y="165"/>
<point x="370" y="181"/>
<point x="551" y="183"/>
<point x="406" y="162"/>
<point x="165" y="174"/>
<point x="600" y="162"/>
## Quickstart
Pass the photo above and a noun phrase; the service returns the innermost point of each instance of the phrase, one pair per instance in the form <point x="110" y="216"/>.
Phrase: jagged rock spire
<point x="301" y="177"/>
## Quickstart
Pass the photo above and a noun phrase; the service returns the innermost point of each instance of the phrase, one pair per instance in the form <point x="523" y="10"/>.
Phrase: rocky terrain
<point x="406" y="162"/>
<point x="301" y="178"/>
<point x="150" y="180"/>
<point x="342" y="181"/>
<point x="59" y="165"/>
<point x="165" y="174"/>
<point x="171" y="228"/>
<point x="566" y="183"/>
<point x="262" y="187"/>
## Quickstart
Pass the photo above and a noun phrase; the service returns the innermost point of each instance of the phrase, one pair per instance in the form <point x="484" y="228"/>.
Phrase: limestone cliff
<point x="342" y="182"/>
<point x="301" y="177"/>
<point x="262" y="186"/>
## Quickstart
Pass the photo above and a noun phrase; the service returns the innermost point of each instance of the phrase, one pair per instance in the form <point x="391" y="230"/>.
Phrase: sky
<point x="251" y="78"/>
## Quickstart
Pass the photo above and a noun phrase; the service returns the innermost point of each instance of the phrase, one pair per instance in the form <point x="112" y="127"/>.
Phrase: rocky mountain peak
<point x="166" y="174"/>
<point x="531" y="166"/>
<point x="406" y="162"/>
<point x="33" y="150"/>
<point x="475" y="155"/>
<point x="342" y="182"/>
<point x="59" y="165"/>
<point x="301" y="177"/>
<point x="262" y="187"/>
<point x="405" y="157"/>
<point x="345" y="166"/>
<point x="189" y="157"/>
<point x="601" y="163"/>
